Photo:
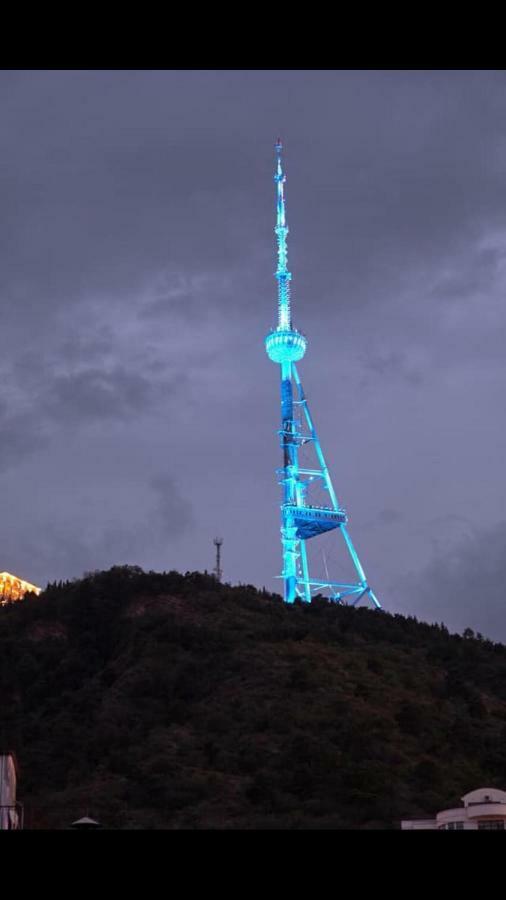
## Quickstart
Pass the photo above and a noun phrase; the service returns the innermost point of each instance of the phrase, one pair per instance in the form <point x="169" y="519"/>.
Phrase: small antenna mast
<point x="218" y="571"/>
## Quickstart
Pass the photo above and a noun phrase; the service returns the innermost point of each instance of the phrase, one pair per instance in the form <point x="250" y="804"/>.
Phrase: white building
<point x="9" y="814"/>
<point x="483" y="810"/>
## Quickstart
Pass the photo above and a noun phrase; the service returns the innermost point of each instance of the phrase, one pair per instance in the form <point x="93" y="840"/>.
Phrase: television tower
<point x="301" y="519"/>
<point x="217" y="570"/>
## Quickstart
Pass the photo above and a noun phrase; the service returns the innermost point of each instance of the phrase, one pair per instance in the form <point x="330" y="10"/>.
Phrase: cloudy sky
<point x="138" y="410"/>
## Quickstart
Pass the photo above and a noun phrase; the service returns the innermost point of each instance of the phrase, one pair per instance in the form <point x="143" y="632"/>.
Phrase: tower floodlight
<point x="303" y="514"/>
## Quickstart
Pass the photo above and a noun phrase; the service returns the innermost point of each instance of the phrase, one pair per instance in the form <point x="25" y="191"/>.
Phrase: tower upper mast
<point x="285" y="344"/>
<point x="282" y="274"/>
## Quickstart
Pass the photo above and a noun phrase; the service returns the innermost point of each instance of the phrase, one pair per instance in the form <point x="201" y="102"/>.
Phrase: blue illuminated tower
<point x="302" y="519"/>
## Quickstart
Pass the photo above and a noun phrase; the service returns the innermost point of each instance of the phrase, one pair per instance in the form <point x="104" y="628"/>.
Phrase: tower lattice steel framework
<point x="301" y="519"/>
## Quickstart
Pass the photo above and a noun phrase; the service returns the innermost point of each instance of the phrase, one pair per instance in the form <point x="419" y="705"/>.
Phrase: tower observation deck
<point x="302" y="516"/>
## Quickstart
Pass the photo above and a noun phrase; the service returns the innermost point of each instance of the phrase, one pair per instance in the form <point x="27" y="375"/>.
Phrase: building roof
<point x="484" y="795"/>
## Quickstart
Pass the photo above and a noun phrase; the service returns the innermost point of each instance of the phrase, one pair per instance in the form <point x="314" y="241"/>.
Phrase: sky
<point x="138" y="410"/>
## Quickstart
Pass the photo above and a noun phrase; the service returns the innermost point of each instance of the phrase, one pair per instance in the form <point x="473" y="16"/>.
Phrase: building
<point x="10" y="811"/>
<point x="14" y="588"/>
<point x="483" y="810"/>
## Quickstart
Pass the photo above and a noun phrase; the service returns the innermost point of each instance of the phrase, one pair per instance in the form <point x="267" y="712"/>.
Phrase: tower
<point x="304" y="515"/>
<point x="217" y="571"/>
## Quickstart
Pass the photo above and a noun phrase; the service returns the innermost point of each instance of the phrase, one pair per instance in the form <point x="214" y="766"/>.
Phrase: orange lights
<point x="13" y="588"/>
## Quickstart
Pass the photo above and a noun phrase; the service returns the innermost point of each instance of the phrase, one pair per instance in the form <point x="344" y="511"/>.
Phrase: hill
<point x="169" y="701"/>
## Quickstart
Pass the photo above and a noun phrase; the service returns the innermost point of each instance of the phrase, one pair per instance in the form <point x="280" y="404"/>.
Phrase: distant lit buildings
<point x="483" y="810"/>
<point x="10" y="811"/>
<point x="13" y="588"/>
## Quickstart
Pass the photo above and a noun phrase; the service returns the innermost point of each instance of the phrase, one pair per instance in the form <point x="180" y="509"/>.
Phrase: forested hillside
<point x="167" y="701"/>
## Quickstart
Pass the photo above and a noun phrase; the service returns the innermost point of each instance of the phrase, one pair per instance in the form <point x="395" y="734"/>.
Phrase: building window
<point x="491" y="825"/>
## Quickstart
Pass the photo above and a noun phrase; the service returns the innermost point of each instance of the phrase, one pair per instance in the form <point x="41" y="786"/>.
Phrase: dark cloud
<point x="85" y="530"/>
<point x="172" y="510"/>
<point x="22" y="436"/>
<point x="464" y="585"/>
<point x="95" y="394"/>
<point x="391" y="363"/>
<point x="138" y="409"/>
<point x="389" y="516"/>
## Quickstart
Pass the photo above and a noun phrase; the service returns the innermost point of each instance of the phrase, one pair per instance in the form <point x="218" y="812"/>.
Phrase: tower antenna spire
<point x="282" y="274"/>
<point x="302" y="515"/>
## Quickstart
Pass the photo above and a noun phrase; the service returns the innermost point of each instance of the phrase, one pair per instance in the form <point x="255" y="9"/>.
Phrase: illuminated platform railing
<point x="313" y="520"/>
